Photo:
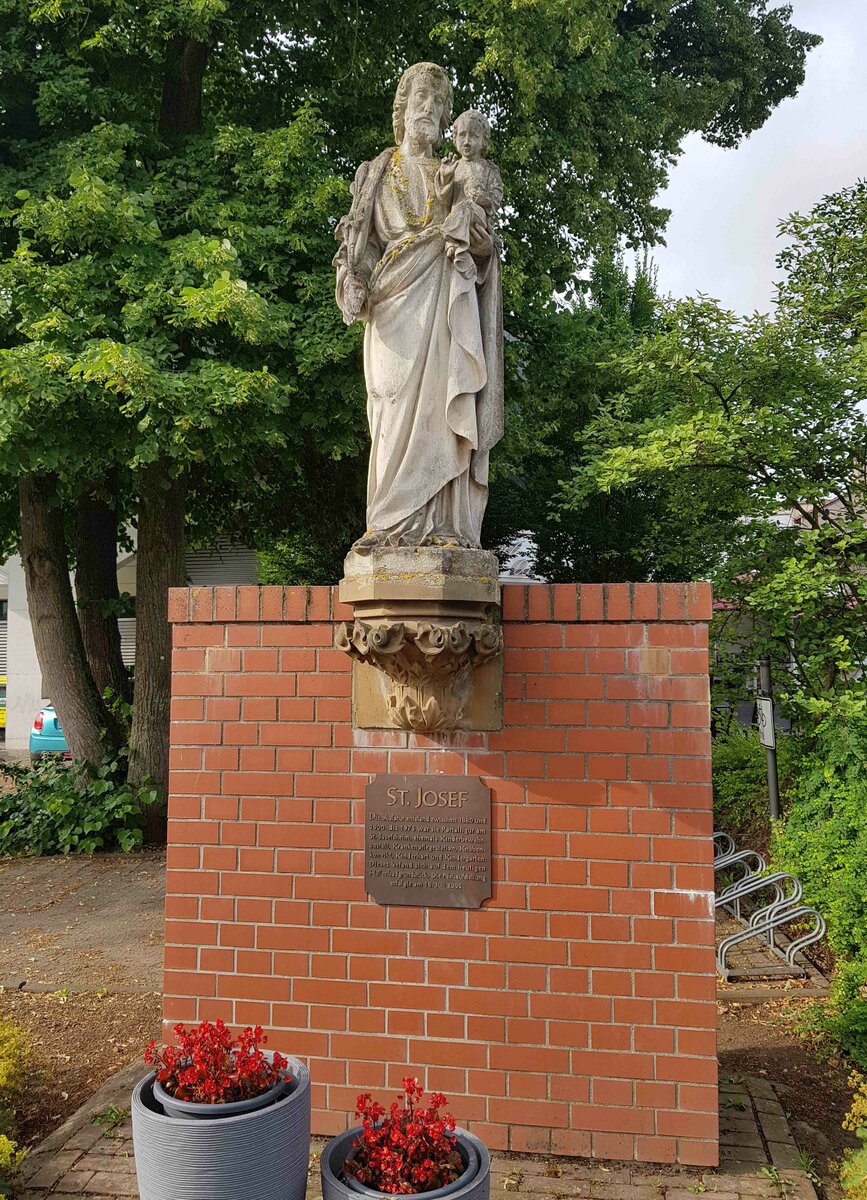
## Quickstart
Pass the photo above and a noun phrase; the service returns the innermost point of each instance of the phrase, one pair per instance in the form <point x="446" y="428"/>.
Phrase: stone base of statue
<point x="426" y="639"/>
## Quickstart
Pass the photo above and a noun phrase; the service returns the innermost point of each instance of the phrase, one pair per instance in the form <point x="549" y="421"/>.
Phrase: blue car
<point x="46" y="736"/>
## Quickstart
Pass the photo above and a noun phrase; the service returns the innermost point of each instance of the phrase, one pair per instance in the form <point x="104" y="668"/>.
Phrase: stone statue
<point x="419" y="263"/>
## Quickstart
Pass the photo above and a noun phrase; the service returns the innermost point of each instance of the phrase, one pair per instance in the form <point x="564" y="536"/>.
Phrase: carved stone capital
<point x="429" y="665"/>
<point x="426" y="647"/>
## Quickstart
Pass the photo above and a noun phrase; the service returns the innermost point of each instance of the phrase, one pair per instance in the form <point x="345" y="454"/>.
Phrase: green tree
<point x="560" y="412"/>
<point x="767" y="413"/>
<point x="556" y="383"/>
<point x="170" y="173"/>
<point x="177" y="348"/>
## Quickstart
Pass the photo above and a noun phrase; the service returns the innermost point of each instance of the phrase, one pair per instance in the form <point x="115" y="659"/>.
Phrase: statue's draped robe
<point x="432" y="354"/>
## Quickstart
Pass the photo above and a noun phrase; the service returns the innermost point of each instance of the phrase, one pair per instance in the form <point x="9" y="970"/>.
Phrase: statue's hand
<point x="354" y="299"/>
<point x="447" y="167"/>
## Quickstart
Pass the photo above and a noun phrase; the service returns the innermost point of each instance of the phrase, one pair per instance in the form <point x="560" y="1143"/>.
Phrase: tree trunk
<point x="87" y="724"/>
<point x="96" y="587"/>
<point x="181" y="108"/>
<point x="160" y="565"/>
<point x="162" y="509"/>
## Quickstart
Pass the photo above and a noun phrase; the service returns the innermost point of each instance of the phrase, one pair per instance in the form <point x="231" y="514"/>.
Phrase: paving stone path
<point x="759" y="1158"/>
<point x="754" y="955"/>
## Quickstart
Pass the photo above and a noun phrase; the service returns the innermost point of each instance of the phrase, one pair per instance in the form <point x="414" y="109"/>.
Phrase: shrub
<point x="846" y="1015"/>
<point x="853" y="1172"/>
<point x="740" y="784"/>
<point x="13" y="1055"/>
<point x="11" y="1159"/>
<point x="55" y="808"/>
<point x="823" y="840"/>
<point x="296" y="559"/>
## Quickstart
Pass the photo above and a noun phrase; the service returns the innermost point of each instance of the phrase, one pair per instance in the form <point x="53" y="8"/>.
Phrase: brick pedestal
<point x="575" y="1012"/>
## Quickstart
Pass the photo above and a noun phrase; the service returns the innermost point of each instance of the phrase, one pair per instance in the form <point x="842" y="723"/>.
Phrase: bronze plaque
<point x="427" y="840"/>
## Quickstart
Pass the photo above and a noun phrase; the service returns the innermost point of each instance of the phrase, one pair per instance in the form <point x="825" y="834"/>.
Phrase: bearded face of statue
<point x="424" y="112"/>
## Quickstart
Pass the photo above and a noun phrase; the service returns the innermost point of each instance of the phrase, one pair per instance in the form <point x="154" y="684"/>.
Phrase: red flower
<point x="209" y="1066"/>
<point x="408" y="1151"/>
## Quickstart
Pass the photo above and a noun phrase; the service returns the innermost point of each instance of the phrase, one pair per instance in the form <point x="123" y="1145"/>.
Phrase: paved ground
<point x="755" y="969"/>
<point x="86" y="1159"/>
<point x="13" y="756"/>
<point x="60" y="929"/>
<point x="82" y="924"/>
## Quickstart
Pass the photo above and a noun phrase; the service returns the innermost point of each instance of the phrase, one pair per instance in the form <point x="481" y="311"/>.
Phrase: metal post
<point x="770" y="742"/>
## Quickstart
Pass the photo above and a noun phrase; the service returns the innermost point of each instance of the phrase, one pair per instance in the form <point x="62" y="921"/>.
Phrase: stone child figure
<point x="433" y="342"/>
<point x="471" y="187"/>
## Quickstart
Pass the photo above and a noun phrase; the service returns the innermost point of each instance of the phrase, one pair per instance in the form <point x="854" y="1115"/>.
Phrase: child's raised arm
<point x="444" y="181"/>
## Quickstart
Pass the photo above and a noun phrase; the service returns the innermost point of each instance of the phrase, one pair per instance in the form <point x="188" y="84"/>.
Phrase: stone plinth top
<point x="426" y="573"/>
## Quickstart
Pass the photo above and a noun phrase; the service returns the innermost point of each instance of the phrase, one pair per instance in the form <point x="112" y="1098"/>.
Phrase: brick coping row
<point x="570" y="603"/>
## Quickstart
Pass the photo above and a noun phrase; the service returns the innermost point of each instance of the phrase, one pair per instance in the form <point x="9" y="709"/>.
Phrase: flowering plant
<point x="209" y="1066"/>
<point x="408" y="1150"/>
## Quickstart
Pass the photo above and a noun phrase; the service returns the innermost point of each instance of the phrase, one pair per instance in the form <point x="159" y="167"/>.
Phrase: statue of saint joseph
<point x="427" y="283"/>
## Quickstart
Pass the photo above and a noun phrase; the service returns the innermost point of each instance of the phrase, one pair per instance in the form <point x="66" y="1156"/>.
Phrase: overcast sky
<point x="722" y="235"/>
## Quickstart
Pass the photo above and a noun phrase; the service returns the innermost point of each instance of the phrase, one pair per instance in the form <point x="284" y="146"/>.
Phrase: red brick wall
<point x="575" y="1012"/>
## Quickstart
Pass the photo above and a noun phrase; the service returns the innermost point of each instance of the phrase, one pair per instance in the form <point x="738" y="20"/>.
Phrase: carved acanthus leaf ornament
<point x="429" y="665"/>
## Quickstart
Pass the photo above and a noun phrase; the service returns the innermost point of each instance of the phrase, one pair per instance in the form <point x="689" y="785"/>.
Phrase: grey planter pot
<point x="190" y="1110"/>
<point x="474" y="1185"/>
<point x="258" y="1155"/>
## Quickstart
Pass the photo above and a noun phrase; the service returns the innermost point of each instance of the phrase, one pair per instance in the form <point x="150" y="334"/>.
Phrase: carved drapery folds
<point x="429" y="664"/>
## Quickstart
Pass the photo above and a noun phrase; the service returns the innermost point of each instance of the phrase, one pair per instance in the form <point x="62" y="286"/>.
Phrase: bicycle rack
<point x="782" y="916"/>
<point x="740" y="858"/>
<point x="723" y="843"/>
<point x="763" y="922"/>
<point x="730" y="898"/>
<point x="769" y="912"/>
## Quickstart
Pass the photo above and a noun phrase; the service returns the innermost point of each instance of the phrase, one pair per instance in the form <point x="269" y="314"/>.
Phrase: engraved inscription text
<point x="428" y="841"/>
